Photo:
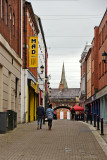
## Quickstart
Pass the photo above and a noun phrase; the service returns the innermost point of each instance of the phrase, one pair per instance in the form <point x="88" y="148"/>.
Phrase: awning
<point x="77" y="108"/>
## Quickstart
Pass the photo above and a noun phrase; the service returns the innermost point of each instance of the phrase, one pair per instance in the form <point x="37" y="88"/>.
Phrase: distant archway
<point x="61" y="107"/>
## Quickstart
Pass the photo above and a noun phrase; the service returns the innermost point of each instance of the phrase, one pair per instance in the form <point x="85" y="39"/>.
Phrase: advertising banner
<point x="33" y="52"/>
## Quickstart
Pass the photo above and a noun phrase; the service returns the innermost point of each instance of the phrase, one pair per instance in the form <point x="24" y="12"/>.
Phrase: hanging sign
<point x="33" y="52"/>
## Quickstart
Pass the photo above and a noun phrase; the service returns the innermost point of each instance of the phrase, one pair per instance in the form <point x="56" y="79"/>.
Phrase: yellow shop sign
<point x="33" y="52"/>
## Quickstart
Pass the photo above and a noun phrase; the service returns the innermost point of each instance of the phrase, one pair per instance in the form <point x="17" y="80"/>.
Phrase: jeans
<point x="39" y="120"/>
<point x="50" y="123"/>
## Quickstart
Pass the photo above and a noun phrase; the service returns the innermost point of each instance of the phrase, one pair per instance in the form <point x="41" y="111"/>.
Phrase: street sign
<point x="33" y="52"/>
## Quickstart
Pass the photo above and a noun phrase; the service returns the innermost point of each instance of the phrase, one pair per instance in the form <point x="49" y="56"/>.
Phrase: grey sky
<point x="68" y="25"/>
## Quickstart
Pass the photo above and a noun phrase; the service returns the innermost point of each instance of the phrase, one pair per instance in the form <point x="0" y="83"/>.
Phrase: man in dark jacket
<point x="40" y="113"/>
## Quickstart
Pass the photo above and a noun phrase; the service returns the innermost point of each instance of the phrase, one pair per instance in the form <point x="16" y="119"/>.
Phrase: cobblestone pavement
<point x="68" y="140"/>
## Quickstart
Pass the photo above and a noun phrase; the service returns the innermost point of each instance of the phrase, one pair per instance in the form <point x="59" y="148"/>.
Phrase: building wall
<point x="24" y="95"/>
<point x="99" y="45"/>
<point x="102" y="67"/>
<point x="103" y="108"/>
<point x="29" y="29"/>
<point x="6" y="26"/>
<point x="41" y="59"/>
<point x="98" y="100"/>
<point x="10" y="53"/>
<point x="94" y="60"/>
<point x="89" y="75"/>
<point x="10" y="76"/>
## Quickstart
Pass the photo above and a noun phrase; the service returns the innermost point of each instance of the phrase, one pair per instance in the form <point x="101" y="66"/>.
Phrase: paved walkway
<point x="68" y="140"/>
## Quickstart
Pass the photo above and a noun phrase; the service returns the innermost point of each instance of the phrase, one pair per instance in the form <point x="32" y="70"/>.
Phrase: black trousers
<point x="50" y="122"/>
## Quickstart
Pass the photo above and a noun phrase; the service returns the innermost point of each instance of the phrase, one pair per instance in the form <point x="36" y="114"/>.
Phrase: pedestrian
<point x="40" y="113"/>
<point x="73" y="113"/>
<point x="49" y="115"/>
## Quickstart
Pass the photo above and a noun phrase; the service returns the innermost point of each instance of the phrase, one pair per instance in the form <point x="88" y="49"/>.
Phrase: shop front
<point x="32" y="101"/>
<point x="92" y="105"/>
<point x="102" y="96"/>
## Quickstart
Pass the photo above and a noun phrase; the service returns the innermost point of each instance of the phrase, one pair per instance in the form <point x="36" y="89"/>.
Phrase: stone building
<point x="10" y="56"/>
<point x="83" y="81"/>
<point x="63" y="98"/>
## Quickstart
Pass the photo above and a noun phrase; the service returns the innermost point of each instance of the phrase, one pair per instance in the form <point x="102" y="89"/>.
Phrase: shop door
<point x="61" y="115"/>
<point x="68" y="114"/>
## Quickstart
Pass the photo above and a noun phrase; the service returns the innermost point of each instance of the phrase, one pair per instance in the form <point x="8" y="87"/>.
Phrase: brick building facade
<point x="29" y="75"/>
<point x="97" y="101"/>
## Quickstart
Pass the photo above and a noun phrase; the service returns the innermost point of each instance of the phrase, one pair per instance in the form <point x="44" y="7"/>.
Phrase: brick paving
<point x="68" y="140"/>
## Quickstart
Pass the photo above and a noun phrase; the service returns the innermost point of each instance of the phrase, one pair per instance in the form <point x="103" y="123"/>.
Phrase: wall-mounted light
<point x="46" y="78"/>
<point x="42" y="69"/>
<point x="104" y="55"/>
<point x="48" y="84"/>
<point x="50" y="89"/>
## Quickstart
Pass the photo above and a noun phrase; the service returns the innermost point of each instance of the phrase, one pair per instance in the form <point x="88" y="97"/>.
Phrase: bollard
<point x="87" y="118"/>
<point x="102" y="126"/>
<point x="83" y="117"/>
<point x="94" y="120"/>
<point x="90" y="118"/>
<point x="98" y="122"/>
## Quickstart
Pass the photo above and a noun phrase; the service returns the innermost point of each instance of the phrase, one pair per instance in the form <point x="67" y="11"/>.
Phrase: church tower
<point x="63" y="83"/>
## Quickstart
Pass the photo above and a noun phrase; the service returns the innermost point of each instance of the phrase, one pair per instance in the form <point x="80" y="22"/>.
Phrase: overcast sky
<point x="68" y="25"/>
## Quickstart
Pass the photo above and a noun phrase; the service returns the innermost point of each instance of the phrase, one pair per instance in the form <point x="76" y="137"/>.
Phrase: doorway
<point x="68" y="115"/>
<point x="61" y="115"/>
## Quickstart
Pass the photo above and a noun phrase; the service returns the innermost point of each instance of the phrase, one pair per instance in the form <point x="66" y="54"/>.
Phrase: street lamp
<point x="104" y="55"/>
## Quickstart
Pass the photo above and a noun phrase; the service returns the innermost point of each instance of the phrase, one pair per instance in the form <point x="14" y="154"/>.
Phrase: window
<point x="13" y="24"/>
<point x="10" y="13"/>
<point x="16" y="87"/>
<point x="6" y="10"/>
<point x="1" y="8"/>
<point x="106" y="29"/>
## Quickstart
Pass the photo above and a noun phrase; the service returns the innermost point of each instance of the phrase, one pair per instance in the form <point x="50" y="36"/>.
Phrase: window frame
<point x="1" y="8"/>
<point x="13" y="24"/>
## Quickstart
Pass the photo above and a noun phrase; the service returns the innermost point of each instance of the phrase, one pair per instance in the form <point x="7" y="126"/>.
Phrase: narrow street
<point x="68" y="140"/>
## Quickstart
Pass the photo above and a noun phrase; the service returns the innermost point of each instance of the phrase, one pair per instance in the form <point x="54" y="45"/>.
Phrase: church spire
<point x="63" y="79"/>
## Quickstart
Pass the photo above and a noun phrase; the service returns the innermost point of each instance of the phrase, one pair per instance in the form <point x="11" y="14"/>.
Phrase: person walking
<point x="49" y="115"/>
<point x="73" y="113"/>
<point x="40" y="113"/>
